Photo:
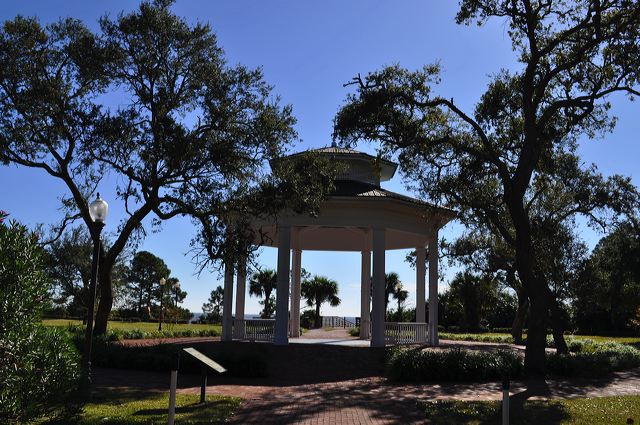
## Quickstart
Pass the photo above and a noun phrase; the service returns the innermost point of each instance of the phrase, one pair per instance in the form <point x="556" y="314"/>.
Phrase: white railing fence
<point x="405" y="333"/>
<point x="337" y="322"/>
<point x="254" y="329"/>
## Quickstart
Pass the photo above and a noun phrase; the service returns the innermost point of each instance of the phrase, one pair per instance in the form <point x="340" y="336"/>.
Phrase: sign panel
<point x="204" y="359"/>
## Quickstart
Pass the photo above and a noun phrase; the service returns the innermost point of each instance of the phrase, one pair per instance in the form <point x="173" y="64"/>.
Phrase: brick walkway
<point x="369" y="400"/>
<point x="358" y="401"/>
<point x="375" y="401"/>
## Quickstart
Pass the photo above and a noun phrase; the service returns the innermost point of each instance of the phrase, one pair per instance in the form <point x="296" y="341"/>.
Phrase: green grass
<point x="600" y="410"/>
<point x="142" y="326"/>
<point x="137" y="408"/>
<point x="505" y="338"/>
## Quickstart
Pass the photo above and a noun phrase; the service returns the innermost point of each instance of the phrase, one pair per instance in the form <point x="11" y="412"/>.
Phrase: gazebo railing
<point x="337" y="322"/>
<point x="405" y="333"/>
<point x="254" y="329"/>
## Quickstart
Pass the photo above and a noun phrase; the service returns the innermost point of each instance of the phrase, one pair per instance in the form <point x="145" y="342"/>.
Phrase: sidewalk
<point x="375" y="401"/>
<point x="358" y="401"/>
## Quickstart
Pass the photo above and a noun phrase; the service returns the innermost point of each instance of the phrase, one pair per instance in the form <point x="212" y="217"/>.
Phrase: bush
<point x="121" y="334"/>
<point x="500" y="339"/>
<point x="591" y="359"/>
<point x="355" y="331"/>
<point x="307" y="319"/>
<point x="452" y="365"/>
<point x="38" y="366"/>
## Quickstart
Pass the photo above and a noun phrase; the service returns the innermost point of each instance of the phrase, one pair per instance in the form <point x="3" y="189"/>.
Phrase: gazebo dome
<point x="358" y="166"/>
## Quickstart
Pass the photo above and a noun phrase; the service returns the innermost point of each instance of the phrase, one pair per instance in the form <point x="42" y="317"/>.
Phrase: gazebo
<point x="358" y="216"/>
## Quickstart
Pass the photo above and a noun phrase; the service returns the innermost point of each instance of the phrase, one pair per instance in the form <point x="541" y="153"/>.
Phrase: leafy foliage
<point x="607" y="292"/>
<point x="317" y="291"/>
<point x="590" y="359"/>
<point x="262" y="284"/>
<point x="213" y="307"/>
<point x="144" y="276"/>
<point x="515" y="154"/>
<point x="452" y="365"/>
<point x="393" y="287"/>
<point x="38" y="366"/>
<point x="191" y="136"/>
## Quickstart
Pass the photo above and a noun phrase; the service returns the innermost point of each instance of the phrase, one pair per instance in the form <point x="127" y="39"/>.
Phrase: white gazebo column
<point x="378" y="313"/>
<point x="281" y="331"/>
<point x="420" y="284"/>
<point x="433" y="288"/>
<point x="227" y="303"/>
<point x="295" y="293"/>
<point x="365" y="296"/>
<point x="241" y="284"/>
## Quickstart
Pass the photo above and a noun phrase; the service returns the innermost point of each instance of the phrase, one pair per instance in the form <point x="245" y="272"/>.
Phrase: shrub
<point x="501" y="339"/>
<point x="452" y="365"/>
<point x="38" y="366"/>
<point x="591" y="359"/>
<point x="121" y="334"/>
<point x="355" y="331"/>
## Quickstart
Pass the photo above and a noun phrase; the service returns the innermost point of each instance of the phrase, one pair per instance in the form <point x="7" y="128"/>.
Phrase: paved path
<point x="359" y="401"/>
<point x="375" y="401"/>
<point x="371" y="400"/>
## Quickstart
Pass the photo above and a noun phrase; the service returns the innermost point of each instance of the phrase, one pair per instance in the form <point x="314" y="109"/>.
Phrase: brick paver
<point x="370" y="400"/>
<point x="376" y="401"/>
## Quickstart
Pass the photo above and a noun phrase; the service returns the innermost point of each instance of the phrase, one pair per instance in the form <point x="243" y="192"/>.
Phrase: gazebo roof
<point x="358" y="203"/>
<point x="360" y="161"/>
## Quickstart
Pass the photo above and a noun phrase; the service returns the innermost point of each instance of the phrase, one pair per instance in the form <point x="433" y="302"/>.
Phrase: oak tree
<point x="573" y="55"/>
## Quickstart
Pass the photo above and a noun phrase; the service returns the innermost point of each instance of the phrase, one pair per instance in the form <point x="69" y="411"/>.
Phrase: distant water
<point x="196" y="317"/>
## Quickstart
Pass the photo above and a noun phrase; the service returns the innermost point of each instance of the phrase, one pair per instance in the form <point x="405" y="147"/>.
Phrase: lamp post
<point x="98" y="211"/>
<point x="161" y="316"/>
<point x="176" y="290"/>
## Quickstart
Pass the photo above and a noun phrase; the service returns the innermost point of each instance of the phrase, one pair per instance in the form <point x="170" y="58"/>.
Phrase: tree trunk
<point x="535" y="354"/>
<point x="318" y="318"/>
<point x="106" y="297"/>
<point x="535" y="287"/>
<point x="140" y="302"/>
<point x="556" y="323"/>
<point x="521" y="315"/>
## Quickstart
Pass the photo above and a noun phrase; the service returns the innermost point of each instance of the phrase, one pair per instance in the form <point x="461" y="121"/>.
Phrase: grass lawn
<point x="137" y="408"/>
<point x="506" y="338"/>
<point x="143" y="326"/>
<point x="601" y="410"/>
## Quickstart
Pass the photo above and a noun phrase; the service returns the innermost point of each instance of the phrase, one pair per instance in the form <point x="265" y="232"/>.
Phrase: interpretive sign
<point x="205" y="360"/>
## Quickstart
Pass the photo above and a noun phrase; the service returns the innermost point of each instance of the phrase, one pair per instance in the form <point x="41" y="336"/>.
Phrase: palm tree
<point x="318" y="291"/>
<point x="401" y="295"/>
<point x="394" y="287"/>
<point x="261" y="285"/>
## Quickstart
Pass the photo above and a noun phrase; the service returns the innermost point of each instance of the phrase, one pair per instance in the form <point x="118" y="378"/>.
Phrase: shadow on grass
<point x="129" y="408"/>
<point x="193" y="410"/>
<point x="490" y="412"/>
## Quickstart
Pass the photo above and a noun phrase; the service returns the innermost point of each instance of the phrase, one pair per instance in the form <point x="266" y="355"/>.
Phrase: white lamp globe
<point x="98" y="210"/>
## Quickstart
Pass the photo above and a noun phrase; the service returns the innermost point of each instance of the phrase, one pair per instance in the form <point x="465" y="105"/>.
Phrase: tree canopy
<point x="318" y="290"/>
<point x="261" y="285"/>
<point x="189" y="134"/>
<point x="490" y="163"/>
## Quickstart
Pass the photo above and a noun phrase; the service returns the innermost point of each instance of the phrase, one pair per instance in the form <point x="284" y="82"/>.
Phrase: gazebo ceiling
<point x="327" y="238"/>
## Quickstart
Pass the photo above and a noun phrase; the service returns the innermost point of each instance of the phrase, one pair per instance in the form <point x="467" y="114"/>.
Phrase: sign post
<point x="205" y="362"/>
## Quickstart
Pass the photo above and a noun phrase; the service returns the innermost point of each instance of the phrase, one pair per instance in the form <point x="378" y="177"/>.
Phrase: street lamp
<point x="176" y="287"/>
<point x="98" y="211"/>
<point x="160" y="317"/>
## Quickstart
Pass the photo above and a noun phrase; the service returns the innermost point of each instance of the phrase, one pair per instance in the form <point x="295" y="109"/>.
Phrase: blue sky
<point x="307" y="51"/>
